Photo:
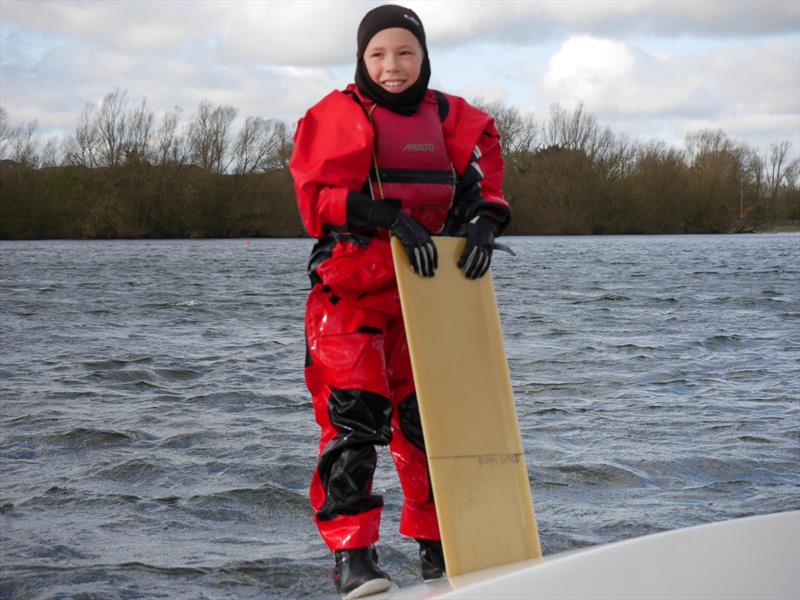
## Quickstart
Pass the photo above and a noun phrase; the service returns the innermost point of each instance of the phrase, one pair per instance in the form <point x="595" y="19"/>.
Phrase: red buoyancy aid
<point x="410" y="163"/>
<point x="333" y="154"/>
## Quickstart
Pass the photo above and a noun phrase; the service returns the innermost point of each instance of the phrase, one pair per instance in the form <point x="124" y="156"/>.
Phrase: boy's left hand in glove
<point x="477" y="255"/>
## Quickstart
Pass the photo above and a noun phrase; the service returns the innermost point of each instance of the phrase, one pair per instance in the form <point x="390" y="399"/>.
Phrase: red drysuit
<point x="444" y="166"/>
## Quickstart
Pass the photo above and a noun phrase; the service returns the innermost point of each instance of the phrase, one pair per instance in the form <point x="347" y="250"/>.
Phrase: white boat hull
<point x="755" y="557"/>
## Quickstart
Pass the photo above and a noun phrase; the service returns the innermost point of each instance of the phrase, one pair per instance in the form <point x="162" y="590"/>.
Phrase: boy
<point x="387" y="156"/>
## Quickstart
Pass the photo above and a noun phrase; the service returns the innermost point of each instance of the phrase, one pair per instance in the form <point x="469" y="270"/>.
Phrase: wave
<point x="87" y="438"/>
<point x="189" y="440"/>
<point x="599" y="474"/>
<point x="138" y="470"/>
<point x="755" y="439"/>
<point x="178" y="374"/>
<point x="719" y="341"/>
<point x="273" y="577"/>
<point x="116" y="363"/>
<point x="123" y="375"/>
<point x="63" y="497"/>
<point x="610" y="297"/>
<point x="269" y="497"/>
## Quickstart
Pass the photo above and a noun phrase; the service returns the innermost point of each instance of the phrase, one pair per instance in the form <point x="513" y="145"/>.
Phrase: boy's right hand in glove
<point x="419" y="245"/>
<point x="362" y="211"/>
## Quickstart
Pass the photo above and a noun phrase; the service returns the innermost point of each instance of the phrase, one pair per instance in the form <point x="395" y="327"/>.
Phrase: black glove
<point x="362" y="211"/>
<point x="419" y="245"/>
<point x="477" y="255"/>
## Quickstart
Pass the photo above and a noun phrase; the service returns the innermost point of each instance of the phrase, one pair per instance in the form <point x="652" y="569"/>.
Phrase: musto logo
<point x="418" y="147"/>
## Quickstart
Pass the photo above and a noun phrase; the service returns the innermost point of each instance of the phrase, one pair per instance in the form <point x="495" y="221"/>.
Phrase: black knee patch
<point x="410" y="423"/>
<point x="361" y="416"/>
<point x="362" y="420"/>
<point x="347" y="484"/>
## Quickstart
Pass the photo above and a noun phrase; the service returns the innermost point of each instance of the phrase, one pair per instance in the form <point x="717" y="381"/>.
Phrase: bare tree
<point x="518" y="132"/>
<point x="617" y="154"/>
<point x="170" y="148"/>
<point x="209" y="137"/>
<point x="112" y="125"/>
<point x="49" y="156"/>
<point x="704" y="144"/>
<point x="283" y="145"/>
<point x="255" y="145"/>
<point x="777" y="167"/>
<point x="84" y="147"/>
<point x="5" y="130"/>
<point x="24" y="145"/>
<point x="199" y="137"/>
<point x="793" y="174"/>
<point x="602" y="144"/>
<point x="575" y="131"/>
<point x="718" y="166"/>
<point x="138" y="143"/>
<point x="582" y="130"/>
<point x="221" y="120"/>
<point x="755" y="172"/>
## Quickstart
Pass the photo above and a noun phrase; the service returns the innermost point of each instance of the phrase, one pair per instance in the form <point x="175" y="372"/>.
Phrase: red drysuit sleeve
<point x="472" y="141"/>
<point x="489" y="158"/>
<point x="331" y="157"/>
<point x="474" y="147"/>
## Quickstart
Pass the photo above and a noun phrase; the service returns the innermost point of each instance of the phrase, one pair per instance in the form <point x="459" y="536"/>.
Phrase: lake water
<point x="157" y="440"/>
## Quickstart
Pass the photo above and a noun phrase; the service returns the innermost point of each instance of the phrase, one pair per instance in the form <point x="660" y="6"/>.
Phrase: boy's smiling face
<point x="394" y="59"/>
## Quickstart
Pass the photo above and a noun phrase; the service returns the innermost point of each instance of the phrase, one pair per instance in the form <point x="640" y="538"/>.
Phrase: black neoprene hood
<point x="385" y="17"/>
<point x="378" y="19"/>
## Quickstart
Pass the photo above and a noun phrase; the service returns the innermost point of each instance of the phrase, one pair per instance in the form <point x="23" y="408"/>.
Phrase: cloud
<point x="624" y="60"/>
<point x="292" y="33"/>
<point x="734" y="85"/>
<point x="142" y="26"/>
<point x="275" y="32"/>
<point x="614" y="77"/>
<point x="54" y="86"/>
<point x="323" y="32"/>
<point x="456" y="22"/>
<point x="486" y="91"/>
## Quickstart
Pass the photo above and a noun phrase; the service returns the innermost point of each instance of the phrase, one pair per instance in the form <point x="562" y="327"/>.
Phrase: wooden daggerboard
<point x="475" y="455"/>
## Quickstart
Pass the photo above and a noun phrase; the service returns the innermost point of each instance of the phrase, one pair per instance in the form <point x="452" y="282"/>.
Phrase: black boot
<point x="357" y="574"/>
<point x="431" y="558"/>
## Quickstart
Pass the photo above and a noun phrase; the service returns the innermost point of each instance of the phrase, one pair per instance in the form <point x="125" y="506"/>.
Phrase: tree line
<point x="129" y="171"/>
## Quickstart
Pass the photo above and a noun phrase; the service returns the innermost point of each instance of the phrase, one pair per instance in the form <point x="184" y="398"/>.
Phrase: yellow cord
<point x="374" y="152"/>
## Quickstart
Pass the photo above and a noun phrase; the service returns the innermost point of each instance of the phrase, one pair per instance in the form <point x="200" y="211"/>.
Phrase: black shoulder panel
<point x="444" y="105"/>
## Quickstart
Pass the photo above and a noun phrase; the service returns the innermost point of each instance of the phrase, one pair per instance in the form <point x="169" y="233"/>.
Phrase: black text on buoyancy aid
<point x="411" y="163"/>
<point x="423" y="147"/>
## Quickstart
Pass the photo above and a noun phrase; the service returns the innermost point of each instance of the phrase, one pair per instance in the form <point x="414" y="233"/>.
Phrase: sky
<point x="649" y="70"/>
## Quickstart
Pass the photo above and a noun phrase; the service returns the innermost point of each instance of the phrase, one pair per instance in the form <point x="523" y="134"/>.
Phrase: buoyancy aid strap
<point x="443" y="103"/>
<point x="375" y="152"/>
<point x="369" y="112"/>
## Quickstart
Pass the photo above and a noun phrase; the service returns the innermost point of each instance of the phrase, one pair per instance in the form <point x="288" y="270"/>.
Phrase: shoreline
<point x="781" y="229"/>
